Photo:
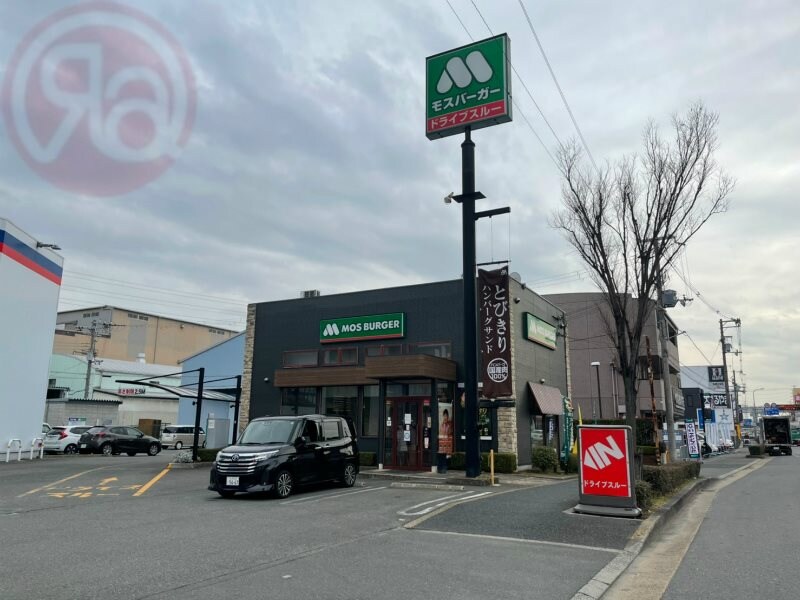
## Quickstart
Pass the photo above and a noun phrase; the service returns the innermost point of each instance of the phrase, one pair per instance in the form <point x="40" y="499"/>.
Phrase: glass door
<point x="406" y="427"/>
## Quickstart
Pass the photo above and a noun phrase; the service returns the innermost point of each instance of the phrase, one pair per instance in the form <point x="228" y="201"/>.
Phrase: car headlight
<point x="265" y="455"/>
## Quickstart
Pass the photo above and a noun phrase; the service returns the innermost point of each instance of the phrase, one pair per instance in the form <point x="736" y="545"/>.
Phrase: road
<point x="736" y="539"/>
<point x="106" y="527"/>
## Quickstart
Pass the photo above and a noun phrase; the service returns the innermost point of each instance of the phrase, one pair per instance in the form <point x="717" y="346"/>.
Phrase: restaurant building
<point x="392" y="361"/>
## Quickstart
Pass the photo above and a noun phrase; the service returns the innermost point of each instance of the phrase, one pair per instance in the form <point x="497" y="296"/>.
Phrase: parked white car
<point x="64" y="438"/>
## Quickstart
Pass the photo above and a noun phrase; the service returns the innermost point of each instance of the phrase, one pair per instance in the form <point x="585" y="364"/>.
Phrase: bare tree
<point x="629" y="220"/>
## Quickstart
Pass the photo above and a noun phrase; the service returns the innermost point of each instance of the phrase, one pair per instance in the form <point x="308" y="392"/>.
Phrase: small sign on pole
<point x="606" y="471"/>
<point x="692" y="441"/>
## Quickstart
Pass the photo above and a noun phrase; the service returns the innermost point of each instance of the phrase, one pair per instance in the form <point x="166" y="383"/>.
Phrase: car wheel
<point x="153" y="449"/>
<point x="349" y="475"/>
<point x="131" y="453"/>
<point x="106" y="449"/>
<point x="71" y="449"/>
<point x="226" y="493"/>
<point x="178" y="445"/>
<point x="284" y="483"/>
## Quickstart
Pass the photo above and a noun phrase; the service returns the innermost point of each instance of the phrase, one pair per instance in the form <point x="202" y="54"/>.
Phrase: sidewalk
<point x="459" y="479"/>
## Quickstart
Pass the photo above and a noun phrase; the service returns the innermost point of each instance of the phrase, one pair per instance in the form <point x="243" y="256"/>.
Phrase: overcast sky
<point x="307" y="166"/>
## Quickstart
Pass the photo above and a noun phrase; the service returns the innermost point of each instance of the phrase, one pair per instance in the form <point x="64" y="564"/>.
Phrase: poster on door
<point x="445" y="428"/>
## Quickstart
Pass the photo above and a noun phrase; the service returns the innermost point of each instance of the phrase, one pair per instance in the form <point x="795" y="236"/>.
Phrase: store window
<point x="440" y="349"/>
<point x="340" y="400"/>
<point x="340" y="356"/>
<point x="300" y="358"/>
<point x="369" y="411"/>
<point x="419" y="389"/>
<point x="537" y="431"/>
<point x="385" y="350"/>
<point x="299" y="401"/>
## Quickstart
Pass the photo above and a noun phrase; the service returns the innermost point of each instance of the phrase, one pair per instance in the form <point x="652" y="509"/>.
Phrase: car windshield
<point x="276" y="431"/>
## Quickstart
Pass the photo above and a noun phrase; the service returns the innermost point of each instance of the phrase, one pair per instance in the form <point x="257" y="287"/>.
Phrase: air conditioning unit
<point x="311" y="294"/>
<point x="669" y="298"/>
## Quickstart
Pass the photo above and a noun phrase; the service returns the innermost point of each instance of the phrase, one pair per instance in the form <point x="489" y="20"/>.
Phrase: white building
<point x="30" y="280"/>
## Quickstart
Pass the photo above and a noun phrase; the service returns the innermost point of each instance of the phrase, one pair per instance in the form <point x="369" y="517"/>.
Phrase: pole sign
<point x="606" y="471"/>
<point x="692" y="441"/>
<point x="372" y="327"/>
<point x="469" y="86"/>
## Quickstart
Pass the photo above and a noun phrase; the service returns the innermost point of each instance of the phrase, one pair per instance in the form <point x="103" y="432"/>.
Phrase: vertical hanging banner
<point x="606" y="471"/>
<point x="692" y="442"/>
<point x="494" y="321"/>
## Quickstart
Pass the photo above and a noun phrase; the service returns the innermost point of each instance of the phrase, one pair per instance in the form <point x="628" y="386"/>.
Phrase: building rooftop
<point x="143" y="312"/>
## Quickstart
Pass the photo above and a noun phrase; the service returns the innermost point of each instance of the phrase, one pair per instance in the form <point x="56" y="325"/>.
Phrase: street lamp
<point x="596" y="365"/>
<point x="755" y="419"/>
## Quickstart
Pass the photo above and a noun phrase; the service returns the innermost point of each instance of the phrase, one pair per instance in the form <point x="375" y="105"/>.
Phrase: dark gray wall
<point x="433" y="314"/>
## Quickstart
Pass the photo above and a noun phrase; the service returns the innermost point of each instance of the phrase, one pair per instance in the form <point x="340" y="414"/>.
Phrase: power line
<point x="522" y="81"/>
<point x="558" y="86"/>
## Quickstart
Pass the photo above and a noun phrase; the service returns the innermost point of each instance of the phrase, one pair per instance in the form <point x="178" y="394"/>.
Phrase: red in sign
<point x="604" y="462"/>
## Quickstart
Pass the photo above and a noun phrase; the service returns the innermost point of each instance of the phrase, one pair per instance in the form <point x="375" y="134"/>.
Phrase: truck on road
<point x="777" y="435"/>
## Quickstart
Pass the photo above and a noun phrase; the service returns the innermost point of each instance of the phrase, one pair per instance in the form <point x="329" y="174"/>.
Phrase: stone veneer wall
<point x="247" y="372"/>
<point x="507" y="429"/>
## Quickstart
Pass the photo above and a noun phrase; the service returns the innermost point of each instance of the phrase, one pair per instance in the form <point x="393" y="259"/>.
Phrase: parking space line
<point x="151" y="483"/>
<point x="55" y="483"/>
<point x="457" y="499"/>
<point x="329" y="497"/>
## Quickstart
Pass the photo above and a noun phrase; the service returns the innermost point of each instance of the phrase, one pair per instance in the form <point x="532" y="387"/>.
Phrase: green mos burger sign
<point x="371" y="327"/>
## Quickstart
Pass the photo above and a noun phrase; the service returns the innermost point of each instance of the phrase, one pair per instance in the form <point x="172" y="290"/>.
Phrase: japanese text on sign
<point x="494" y="323"/>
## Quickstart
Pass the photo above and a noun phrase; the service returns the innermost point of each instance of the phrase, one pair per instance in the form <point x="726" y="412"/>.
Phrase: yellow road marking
<point x="58" y="494"/>
<point x="55" y="483"/>
<point x="152" y="482"/>
<point x="108" y="480"/>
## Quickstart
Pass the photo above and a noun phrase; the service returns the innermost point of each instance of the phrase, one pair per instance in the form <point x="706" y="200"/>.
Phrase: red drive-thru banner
<point x="605" y="462"/>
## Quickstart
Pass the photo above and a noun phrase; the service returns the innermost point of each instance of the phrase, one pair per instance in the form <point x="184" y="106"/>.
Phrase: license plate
<point x="83" y="445"/>
<point x="231" y="481"/>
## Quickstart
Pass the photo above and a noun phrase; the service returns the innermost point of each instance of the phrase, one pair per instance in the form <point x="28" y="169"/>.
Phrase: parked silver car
<point x="180" y="436"/>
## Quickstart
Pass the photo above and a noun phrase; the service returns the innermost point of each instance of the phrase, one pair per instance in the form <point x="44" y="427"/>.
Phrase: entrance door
<point x="408" y="433"/>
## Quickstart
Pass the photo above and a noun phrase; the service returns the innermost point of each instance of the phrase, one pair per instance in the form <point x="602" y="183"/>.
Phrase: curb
<point x="197" y="465"/>
<point x="428" y="486"/>
<point x="599" y="584"/>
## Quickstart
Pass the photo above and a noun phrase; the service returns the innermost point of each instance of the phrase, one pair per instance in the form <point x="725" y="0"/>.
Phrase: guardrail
<point x="19" y="448"/>
<point x="41" y="447"/>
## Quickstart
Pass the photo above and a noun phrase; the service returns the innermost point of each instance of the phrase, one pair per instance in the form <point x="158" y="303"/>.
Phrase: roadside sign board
<point x="468" y="86"/>
<point x="606" y="471"/>
<point x="691" y="438"/>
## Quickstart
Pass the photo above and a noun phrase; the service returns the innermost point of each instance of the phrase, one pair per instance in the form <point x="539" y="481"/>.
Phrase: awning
<point x="547" y="398"/>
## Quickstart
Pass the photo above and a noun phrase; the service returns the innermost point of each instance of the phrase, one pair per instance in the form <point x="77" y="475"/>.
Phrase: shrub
<point x="572" y="465"/>
<point x="184" y="456"/>
<point x="644" y="495"/>
<point x="667" y="478"/>
<point x="646" y="450"/>
<point x="207" y="454"/>
<point x="545" y="459"/>
<point x="366" y="459"/>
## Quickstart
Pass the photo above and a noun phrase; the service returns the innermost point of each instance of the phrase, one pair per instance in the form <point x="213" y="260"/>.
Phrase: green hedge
<point x="503" y="462"/>
<point x="644" y="495"/>
<point x="367" y="459"/>
<point x="667" y="478"/>
<point x="572" y="465"/>
<point x="207" y="454"/>
<point x="545" y="459"/>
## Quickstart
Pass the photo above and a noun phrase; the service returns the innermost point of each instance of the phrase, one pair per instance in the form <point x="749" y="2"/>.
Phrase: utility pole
<point x="722" y="323"/>
<point x="90" y="361"/>
<point x="652" y="399"/>
<point x="661" y="323"/>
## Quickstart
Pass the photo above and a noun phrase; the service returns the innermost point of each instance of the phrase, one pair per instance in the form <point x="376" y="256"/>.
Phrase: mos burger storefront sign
<point x="371" y="327"/>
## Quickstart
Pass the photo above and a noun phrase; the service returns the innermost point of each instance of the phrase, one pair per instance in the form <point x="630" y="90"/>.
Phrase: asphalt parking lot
<point x="127" y="527"/>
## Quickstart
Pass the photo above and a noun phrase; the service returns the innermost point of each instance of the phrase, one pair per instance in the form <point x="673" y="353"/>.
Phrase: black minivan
<point x="275" y="454"/>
